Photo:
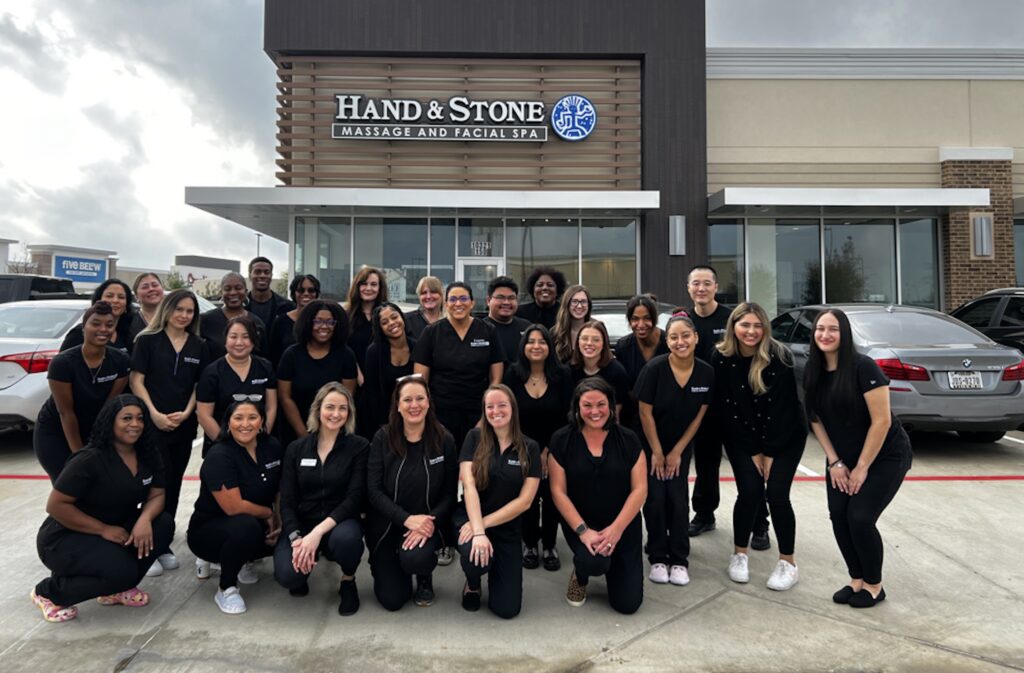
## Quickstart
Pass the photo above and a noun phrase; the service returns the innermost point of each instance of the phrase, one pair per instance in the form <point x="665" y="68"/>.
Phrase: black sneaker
<point x="302" y="590"/>
<point x="349" y="604"/>
<point x="470" y="600"/>
<point x="551" y="561"/>
<point x="424" y="595"/>
<point x="760" y="540"/>
<point x="699" y="525"/>
<point x="530" y="559"/>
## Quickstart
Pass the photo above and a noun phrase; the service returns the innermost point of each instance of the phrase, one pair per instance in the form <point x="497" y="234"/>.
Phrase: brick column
<point x="965" y="277"/>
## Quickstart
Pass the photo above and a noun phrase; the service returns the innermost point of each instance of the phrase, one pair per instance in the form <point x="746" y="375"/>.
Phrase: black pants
<point x="393" y="568"/>
<point x="86" y="566"/>
<point x="459" y="421"/>
<point x="854" y="517"/>
<point x="623" y="570"/>
<point x="343" y="545"/>
<point x="667" y="514"/>
<point x="752" y="490"/>
<point x="175" y="451"/>
<point x="707" y="458"/>
<point x="504" y="571"/>
<point x="51" y="448"/>
<point x="540" y="522"/>
<point x="231" y="541"/>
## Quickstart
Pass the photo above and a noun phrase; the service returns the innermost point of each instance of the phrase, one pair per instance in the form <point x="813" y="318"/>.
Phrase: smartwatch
<point x="580" y="529"/>
<point x="293" y="536"/>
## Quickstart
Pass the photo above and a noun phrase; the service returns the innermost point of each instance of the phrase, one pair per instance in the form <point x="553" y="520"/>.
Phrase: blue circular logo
<point x="573" y="117"/>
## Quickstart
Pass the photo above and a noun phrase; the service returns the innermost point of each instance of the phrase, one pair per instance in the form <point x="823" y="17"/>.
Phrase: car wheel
<point x="980" y="437"/>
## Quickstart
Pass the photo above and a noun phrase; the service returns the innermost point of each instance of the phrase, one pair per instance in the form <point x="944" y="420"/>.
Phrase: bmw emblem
<point x="573" y="117"/>
<point x="967" y="363"/>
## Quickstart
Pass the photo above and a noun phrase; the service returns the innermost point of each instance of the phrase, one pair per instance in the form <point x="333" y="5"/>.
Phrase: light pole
<point x="258" y="237"/>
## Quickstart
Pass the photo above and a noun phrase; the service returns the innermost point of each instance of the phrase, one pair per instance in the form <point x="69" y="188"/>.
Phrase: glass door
<point x="477" y="272"/>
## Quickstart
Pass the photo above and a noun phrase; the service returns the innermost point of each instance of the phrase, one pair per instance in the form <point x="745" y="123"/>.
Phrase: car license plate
<point x="964" y="380"/>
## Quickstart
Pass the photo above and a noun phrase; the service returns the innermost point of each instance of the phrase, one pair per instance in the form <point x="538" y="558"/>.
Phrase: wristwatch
<point x="293" y="536"/>
<point x="581" y="529"/>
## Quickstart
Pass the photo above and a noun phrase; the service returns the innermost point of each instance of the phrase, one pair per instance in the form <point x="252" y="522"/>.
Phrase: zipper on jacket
<point x="388" y="529"/>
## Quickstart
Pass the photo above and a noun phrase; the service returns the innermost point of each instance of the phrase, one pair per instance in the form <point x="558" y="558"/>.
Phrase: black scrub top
<point x="614" y="374"/>
<point x="214" y="323"/>
<point x="710" y="330"/>
<point x="359" y="338"/>
<point x="380" y="376"/>
<point x="674" y="408"/>
<point x="229" y="465"/>
<point x="540" y="417"/>
<point x="627" y="352"/>
<point x="544" y="315"/>
<point x="171" y="376"/>
<point x="104" y="488"/>
<point x="281" y="336"/>
<point x="505" y="478"/>
<point x="308" y="375"/>
<point x="89" y="389"/>
<point x="219" y="383"/>
<point x="509" y="335"/>
<point x="597" y="487"/>
<point x="460" y="369"/>
<point x="76" y="337"/>
<point x="415" y="323"/>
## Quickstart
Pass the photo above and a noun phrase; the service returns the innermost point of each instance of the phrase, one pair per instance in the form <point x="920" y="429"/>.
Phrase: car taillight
<point x="1014" y="372"/>
<point x="901" y="371"/>
<point x="32" y="363"/>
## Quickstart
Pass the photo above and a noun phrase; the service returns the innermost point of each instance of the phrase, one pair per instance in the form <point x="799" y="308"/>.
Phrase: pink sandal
<point x="51" y="611"/>
<point x="133" y="598"/>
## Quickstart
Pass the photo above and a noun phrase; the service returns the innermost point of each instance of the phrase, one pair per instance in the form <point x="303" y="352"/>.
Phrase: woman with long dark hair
<point x="388" y="359"/>
<point x="543" y="389"/>
<point x="867" y="451"/>
<point x="573" y="314"/>
<point x="81" y="380"/>
<point x="367" y="291"/>
<point x="764" y="430"/>
<point x="412" y="478"/>
<point x="303" y="289"/>
<point x="106" y="516"/>
<point x="116" y="293"/>
<point x="592" y="356"/>
<point x="634" y="350"/>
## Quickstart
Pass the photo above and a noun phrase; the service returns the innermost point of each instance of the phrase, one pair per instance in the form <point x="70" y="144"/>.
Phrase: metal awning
<point x="782" y="201"/>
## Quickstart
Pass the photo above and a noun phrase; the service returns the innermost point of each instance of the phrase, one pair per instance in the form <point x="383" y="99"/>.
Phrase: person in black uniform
<point x="411" y="481"/>
<point x="166" y="364"/>
<point x="543" y="390"/>
<point x="236" y="518"/>
<point x="573" y="314"/>
<point x="81" y="380"/>
<point x="634" y="350"/>
<point x="388" y="359"/>
<point x="319" y="355"/>
<point x="303" y="289"/>
<point x="545" y="285"/>
<point x="674" y="392"/>
<point x="238" y="375"/>
<point x="116" y="293"/>
<point x="502" y="302"/>
<point x="263" y="301"/>
<point x="149" y="291"/>
<point x="430" y="291"/>
<point x="323" y="492"/>
<point x="592" y="356"/>
<point x="599" y="483"/>
<point x="764" y="429"/>
<point x="213" y="324"/>
<point x="500" y="470"/>
<point x="367" y="291"/>
<point x="106" y="516"/>
<point x="847" y="399"/>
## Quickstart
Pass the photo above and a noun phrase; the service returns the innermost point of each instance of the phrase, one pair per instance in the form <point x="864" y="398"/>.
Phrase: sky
<point x="112" y="107"/>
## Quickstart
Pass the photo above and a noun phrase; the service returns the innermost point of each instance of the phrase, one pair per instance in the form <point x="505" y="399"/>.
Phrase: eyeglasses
<point x="503" y="298"/>
<point x="319" y="322"/>
<point x="460" y="299"/>
<point x="242" y="397"/>
<point x="578" y="302"/>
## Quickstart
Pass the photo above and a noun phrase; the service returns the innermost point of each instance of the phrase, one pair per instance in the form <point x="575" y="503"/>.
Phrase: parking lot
<point x="953" y="578"/>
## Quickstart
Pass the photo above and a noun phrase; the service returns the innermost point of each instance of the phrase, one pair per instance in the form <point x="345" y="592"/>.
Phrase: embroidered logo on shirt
<point x="718" y="331"/>
<point x="435" y="461"/>
<point x="106" y="379"/>
<point x="479" y="343"/>
<point x="190" y="360"/>
<point x="514" y="463"/>
<point x="147" y="481"/>
<point x="699" y="389"/>
<point x="272" y="465"/>
<point x="871" y="381"/>
<point x="307" y="462"/>
<point x="256" y="382"/>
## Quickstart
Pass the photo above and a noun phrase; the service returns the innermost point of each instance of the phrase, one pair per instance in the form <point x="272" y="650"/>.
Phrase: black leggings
<point x="175" y="451"/>
<point x="393" y="568"/>
<point x="623" y="570"/>
<point x="231" y="541"/>
<point x="540" y="522"/>
<point x="51" y="448"/>
<point x="751" y="491"/>
<point x="504" y="571"/>
<point x="343" y="545"/>
<point x="854" y="517"/>
<point x="667" y="514"/>
<point x="85" y="566"/>
<point x="707" y="458"/>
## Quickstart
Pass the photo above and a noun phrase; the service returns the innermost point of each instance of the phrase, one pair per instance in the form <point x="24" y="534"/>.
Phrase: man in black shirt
<point x="502" y="302"/>
<point x="264" y="303"/>
<point x="214" y="323"/>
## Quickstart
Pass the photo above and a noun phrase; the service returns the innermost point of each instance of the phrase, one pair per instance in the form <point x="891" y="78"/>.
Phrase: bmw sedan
<point x="944" y="375"/>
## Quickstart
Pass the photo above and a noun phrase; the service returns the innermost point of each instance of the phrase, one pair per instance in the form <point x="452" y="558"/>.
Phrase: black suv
<point x="998" y="314"/>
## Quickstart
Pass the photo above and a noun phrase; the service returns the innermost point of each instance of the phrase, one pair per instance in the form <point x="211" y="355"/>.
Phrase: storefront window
<point x="481" y="237"/>
<point x="442" y="249"/>
<point x="785" y="263"/>
<point x="725" y="253"/>
<point x="919" y="263"/>
<point x="323" y="249"/>
<point x="609" y="258"/>
<point x="398" y="247"/>
<point x="860" y="261"/>
<point x="1018" y="250"/>
<point x="542" y="242"/>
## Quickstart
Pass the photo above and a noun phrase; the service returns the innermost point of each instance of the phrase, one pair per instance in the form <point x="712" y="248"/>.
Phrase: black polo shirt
<point x="219" y="383"/>
<point x="509" y="336"/>
<point x="229" y="465"/>
<point x="415" y="323"/>
<point x="89" y="389"/>
<point x="307" y="375"/>
<point x="312" y="490"/>
<point x="104" y="488"/>
<point x="544" y="315"/>
<point x="710" y="330"/>
<point x="505" y="477"/>
<point x="674" y="407"/>
<point x="214" y="323"/>
<point x="266" y="310"/>
<point x="540" y="417"/>
<point x="122" y="333"/>
<point x="459" y="368"/>
<point x="171" y="376"/>
<point x="614" y="374"/>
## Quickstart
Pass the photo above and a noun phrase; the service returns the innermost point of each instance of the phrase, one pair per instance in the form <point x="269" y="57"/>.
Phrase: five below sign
<point x="572" y="117"/>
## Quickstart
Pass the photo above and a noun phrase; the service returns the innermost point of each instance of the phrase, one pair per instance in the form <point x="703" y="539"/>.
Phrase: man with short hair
<point x="264" y="303"/>
<point x="502" y="303"/>
<point x="214" y="323"/>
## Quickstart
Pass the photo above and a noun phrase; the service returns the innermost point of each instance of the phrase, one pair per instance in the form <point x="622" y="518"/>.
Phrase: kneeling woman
<point x="412" y="478"/>
<point x="323" y="473"/>
<point x="106" y="516"/>
<point x="236" y="520"/>
<point x="598" y="476"/>
<point x="501" y="472"/>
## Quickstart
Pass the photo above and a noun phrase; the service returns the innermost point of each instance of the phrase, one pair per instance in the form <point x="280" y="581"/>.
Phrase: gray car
<point x="944" y="374"/>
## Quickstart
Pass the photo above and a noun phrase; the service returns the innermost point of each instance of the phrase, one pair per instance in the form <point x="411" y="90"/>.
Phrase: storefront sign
<point x="82" y="269"/>
<point x="459" y="119"/>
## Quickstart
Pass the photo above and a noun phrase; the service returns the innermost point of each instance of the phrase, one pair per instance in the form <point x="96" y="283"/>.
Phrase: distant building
<point x="86" y="267"/>
<point x="203" y="274"/>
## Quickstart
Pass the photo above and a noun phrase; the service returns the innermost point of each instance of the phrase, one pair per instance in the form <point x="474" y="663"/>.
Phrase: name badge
<point x="272" y="465"/>
<point x="307" y="462"/>
<point x="256" y="382"/>
<point x="699" y="389"/>
<point x="106" y="379"/>
<point x="435" y="461"/>
<point x="479" y="343"/>
<point x="190" y="360"/>
<point x="147" y="481"/>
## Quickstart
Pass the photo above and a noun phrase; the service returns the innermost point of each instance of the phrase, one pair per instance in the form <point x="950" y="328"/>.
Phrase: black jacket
<point x="335" y="488"/>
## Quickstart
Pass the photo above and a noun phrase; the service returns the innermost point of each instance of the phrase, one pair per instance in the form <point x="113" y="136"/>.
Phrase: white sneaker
<point x="679" y="576"/>
<point x="784" y="576"/>
<point x="738" y="568"/>
<point x="659" y="573"/>
<point x="229" y="601"/>
<point x="248" y="574"/>
<point x="203" y="569"/>
<point x="155" y="570"/>
<point x="169" y="561"/>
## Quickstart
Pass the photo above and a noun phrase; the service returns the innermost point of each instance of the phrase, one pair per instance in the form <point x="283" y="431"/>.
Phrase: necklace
<point x="95" y="371"/>
<point x="535" y="381"/>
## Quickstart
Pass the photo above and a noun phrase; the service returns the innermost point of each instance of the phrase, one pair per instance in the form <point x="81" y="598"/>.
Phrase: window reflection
<point x="860" y="261"/>
<point x="919" y="263"/>
<point x="322" y="248"/>
<point x="725" y="253"/>
<point x="609" y="258"/>
<point x="785" y="267"/>
<point x="396" y="246"/>
<point x="542" y="242"/>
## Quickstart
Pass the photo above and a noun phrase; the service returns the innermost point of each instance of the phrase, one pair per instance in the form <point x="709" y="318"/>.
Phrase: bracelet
<point x="839" y="462"/>
<point x="479" y="534"/>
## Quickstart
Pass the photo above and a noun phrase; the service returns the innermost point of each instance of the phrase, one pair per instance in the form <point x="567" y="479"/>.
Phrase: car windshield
<point x="912" y="329"/>
<point x="38" y="321"/>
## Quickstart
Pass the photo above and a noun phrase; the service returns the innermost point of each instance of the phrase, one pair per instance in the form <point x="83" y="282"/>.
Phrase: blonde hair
<point x="766" y="350"/>
<point x="313" y="420"/>
<point x="434" y="284"/>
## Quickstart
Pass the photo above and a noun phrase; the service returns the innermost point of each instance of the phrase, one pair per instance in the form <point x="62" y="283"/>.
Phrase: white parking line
<point x="1014" y="439"/>
<point x="812" y="473"/>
